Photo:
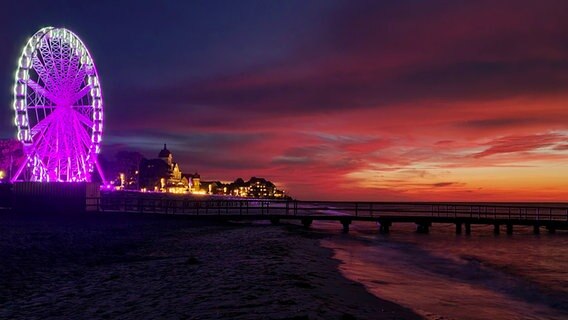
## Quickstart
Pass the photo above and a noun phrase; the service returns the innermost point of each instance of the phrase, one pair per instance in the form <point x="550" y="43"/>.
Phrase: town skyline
<point x="333" y="100"/>
<point x="133" y="171"/>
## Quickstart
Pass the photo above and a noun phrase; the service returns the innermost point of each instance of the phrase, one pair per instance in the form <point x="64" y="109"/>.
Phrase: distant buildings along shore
<point x="163" y="174"/>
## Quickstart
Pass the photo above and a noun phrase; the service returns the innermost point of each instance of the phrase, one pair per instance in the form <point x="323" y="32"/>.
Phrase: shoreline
<point x="446" y="276"/>
<point x="133" y="266"/>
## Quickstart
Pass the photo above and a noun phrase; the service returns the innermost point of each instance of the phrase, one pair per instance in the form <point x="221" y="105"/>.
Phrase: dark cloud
<point x="383" y="54"/>
<point x="291" y="160"/>
<point x="443" y="184"/>
<point x="561" y="147"/>
<point x="481" y="80"/>
<point x="496" y="123"/>
<point x="213" y="103"/>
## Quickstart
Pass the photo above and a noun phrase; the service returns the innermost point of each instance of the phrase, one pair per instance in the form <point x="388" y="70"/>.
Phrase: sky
<point x="331" y="100"/>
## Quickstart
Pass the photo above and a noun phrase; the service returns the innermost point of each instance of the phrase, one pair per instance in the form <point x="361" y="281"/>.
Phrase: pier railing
<point x="357" y="210"/>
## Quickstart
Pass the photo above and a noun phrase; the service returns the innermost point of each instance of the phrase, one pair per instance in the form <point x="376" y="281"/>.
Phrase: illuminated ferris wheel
<point x="59" y="108"/>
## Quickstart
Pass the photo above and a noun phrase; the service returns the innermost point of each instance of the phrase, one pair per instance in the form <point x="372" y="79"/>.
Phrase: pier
<point x="424" y="215"/>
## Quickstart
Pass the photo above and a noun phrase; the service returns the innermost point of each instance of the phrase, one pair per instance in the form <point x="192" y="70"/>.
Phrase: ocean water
<point x="442" y="275"/>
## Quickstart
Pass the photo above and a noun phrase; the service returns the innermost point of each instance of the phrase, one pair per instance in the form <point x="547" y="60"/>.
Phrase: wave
<point x="392" y="268"/>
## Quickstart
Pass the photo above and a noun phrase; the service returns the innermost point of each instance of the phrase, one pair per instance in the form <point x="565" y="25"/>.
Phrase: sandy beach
<point x="156" y="267"/>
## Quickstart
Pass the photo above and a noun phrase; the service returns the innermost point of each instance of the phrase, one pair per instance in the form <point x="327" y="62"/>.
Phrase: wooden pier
<point x="550" y="216"/>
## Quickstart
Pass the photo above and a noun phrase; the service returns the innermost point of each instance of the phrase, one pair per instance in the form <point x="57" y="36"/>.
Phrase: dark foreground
<point x="152" y="267"/>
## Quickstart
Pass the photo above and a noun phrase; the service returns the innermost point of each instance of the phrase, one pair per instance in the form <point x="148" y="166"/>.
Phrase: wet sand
<point x="156" y="267"/>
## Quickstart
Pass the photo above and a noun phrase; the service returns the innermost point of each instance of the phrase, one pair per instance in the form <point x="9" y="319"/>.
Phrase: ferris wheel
<point x="59" y="108"/>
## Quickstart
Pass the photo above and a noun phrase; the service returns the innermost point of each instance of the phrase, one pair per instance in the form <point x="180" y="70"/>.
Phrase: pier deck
<point x="539" y="215"/>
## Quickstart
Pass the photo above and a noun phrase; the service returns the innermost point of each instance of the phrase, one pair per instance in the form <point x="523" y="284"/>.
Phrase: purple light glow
<point x="59" y="108"/>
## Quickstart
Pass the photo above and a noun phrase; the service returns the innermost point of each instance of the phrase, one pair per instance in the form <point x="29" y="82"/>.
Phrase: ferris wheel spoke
<point x="41" y="91"/>
<point x="86" y="89"/>
<point x="85" y="138"/>
<point x="78" y="78"/>
<point x="86" y="121"/>
<point x="84" y="110"/>
<point x="46" y="51"/>
<point x="83" y="148"/>
<point x="80" y="131"/>
<point x="41" y="71"/>
<point x="45" y="145"/>
<point x="42" y="144"/>
<point x="42" y="124"/>
<point x="72" y="64"/>
<point x="39" y="131"/>
<point x="42" y="107"/>
<point x="86" y="141"/>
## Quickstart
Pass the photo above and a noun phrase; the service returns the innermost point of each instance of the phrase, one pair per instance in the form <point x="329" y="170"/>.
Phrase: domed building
<point x="163" y="174"/>
<point x="166" y="155"/>
<point x="174" y="182"/>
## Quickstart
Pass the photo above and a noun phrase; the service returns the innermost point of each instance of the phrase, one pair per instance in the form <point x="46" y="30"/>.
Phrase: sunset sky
<point x="359" y="100"/>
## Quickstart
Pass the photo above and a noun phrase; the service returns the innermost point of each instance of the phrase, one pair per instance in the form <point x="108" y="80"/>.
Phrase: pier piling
<point x="384" y="226"/>
<point x="458" y="227"/>
<point x="345" y="223"/>
<point x="423" y="227"/>
<point x="509" y="229"/>
<point x="496" y="227"/>
<point x="307" y="222"/>
<point x="551" y="229"/>
<point x="468" y="229"/>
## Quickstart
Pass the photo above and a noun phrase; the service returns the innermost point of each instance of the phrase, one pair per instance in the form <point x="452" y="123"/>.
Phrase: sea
<point x="442" y="275"/>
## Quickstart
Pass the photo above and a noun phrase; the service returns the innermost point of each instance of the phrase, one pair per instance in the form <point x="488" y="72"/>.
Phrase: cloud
<point x="443" y="184"/>
<point x="290" y="160"/>
<point x="514" y="144"/>
<point x="378" y="55"/>
<point x="393" y="99"/>
<point x="496" y="123"/>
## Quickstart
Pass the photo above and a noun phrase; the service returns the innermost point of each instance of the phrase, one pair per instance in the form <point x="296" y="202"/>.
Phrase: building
<point x="162" y="174"/>
<point x="213" y="187"/>
<point x="260" y="188"/>
<point x="257" y="188"/>
<point x="196" y="183"/>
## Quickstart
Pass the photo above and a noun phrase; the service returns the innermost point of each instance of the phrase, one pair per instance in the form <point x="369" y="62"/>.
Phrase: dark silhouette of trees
<point x="151" y="172"/>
